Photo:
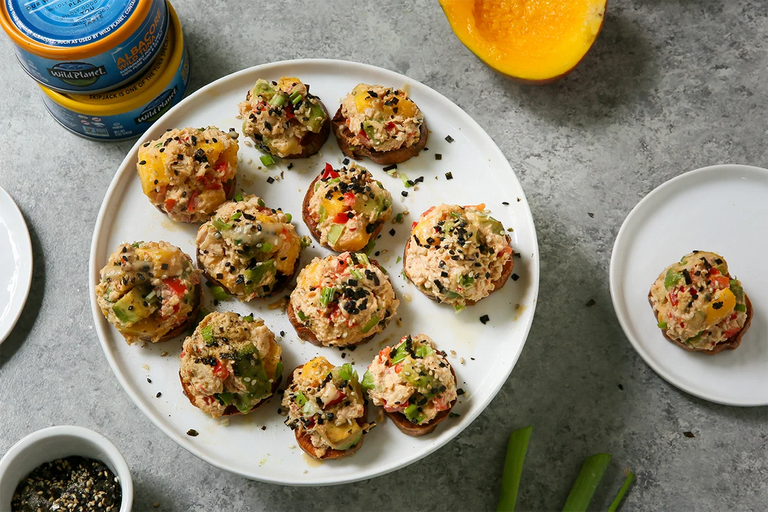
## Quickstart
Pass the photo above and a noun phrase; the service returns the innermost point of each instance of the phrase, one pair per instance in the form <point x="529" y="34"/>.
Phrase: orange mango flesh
<point x="531" y="40"/>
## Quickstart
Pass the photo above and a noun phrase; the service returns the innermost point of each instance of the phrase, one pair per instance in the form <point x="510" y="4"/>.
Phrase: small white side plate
<point x="723" y="208"/>
<point x="15" y="264"/>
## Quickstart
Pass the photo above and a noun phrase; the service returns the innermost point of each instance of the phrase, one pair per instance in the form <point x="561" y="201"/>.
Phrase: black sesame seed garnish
<point x="192" y="433"/>
<point x="687" y="276"/>
<point x="460" y="391"/>
<point x="158" y="395"/>
<point x="438" y="156"/>
<point x="515" y="277"/>
<point x="590" y="303"/>
<point x="270" y="180"/>
<point x="390" y="167"/>
<point x="345" y="161"/>
<point x="505" y="203"/>
<point x="392" y="232"/>
<point x="404" y="193"/>
<point x="448" y="139"/>
<point x="449" y="175"/>
<point x="484" y="319"/>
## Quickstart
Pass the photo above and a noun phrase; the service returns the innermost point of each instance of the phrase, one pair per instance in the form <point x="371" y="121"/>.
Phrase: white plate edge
<point x="25" y="242"/>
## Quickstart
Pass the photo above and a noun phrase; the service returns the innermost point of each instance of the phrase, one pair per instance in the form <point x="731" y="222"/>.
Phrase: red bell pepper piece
<point x="220" y="370"/>
<point x="341" y="218"/>
<point x="329" y="172"/>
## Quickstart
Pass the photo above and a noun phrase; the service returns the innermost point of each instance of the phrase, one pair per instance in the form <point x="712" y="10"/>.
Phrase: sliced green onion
<point x="400" y="354"/>
<point x="238" y="197"/>
<point x="399" y="259"/>
<point x="277" y="100"/>
<point x="305" y="242"/>
<point x="459" y="307"/>
<point x="266" y="247"/>
<point x="392" y="172"/>
<point x="219" y="293"/>
<point x="370" y="324"/>
<point x="347" y="372"/>
<point x="399" y="218"/>
<point x="302" y="316"/>
<point x="455" y="215"/>
<point x="412" y="413"/>
<point x="740" y="307"/>
<point x="152" y="295"/>
<point x="335" y="233"/>
<point x="207" y="333"/>
<point x="248" y="318"/>
<point x="363" y="258"/>
<point x="517" y="447"/>
<point x="267" y="160"/>
<point x="327" y="295"/>
<point x="221" y="225"/>
<point x="356" y="274"/>
<point x="423" y="351"/>
<point x="369" y="131"/>
<point x="288" y="217"/>
<point x="300" y="398"/>
<point x="466" y="281"/>
<point x="405" y="180"/>
<point x="235" y="216"/>
<point x="620" y="496"/>
<point x="322" y="213"/>
<point x="367" y="381"/>
<point x="662" y="325"/>
<point x="586" y="483"/>
<point x="261" y="201"/>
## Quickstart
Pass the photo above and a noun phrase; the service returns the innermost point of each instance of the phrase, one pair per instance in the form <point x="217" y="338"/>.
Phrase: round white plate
<point x="724" y="209"/>
<point x="259" y="445"/>
<point x="15" y="263"/>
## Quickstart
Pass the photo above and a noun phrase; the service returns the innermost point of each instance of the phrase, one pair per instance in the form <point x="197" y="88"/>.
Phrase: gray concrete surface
<point x="670" y="86"/>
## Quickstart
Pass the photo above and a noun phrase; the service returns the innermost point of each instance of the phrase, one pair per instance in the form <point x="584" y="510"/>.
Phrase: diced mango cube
<point x="316" y="370"/>
<point x="721" y="306"/>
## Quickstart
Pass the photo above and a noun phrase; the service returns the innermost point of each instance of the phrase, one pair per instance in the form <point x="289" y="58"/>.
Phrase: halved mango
<point x="534" y="41"/>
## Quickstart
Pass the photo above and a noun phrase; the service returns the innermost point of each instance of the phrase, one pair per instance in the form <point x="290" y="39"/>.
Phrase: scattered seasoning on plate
<point x="72" y="483"/>
<point x="264" y="427"/>
<point x="158" y="395"/>
<point x="689" y="434"/>
<point x="270" y="180"/>
<point x="590" y="303"/>
<point x="404" y="193"/>
<point x="460" y="391"/>
<point x="448" y="139"/>
<point x="392" y="232"/>
<point x="438" y="156"/>
<point x="290" y="165"/>
<point x="453" y="415"/>
<point x="343" y="355"/>
<point x="485" y="319"/>
<point x="515" y="277"/>
<point x="390" y="168"/>
<point x="149" y="380"/>
<point x="505" y="203"/>
<point x="345" y="161"/>
<point x="282" y="334"/>
<point x="518" y="199"/>
<point x="592" y="215"/>
<point x="449" y="175"/>
<point x="192" y="433"/>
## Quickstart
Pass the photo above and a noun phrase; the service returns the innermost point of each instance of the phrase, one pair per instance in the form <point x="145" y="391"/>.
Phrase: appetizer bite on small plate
<point x="230" y="364"/>
<point x="188" y="173"/>
<point x="414" y="383"/>
<point x="326" y="409"/>
<point x="381" y="123"/>
<point x="149" y="291"/>
<point x="458" y="254"/>
<point x="699" y="306"/>
<point x="341" y="300"/>
<point x="248" y="249"/>
<point x="344" y="209"/>
<point x="284" y="119"/>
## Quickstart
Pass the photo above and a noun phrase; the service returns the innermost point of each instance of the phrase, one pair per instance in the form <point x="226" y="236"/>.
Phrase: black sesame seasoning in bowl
<point x="72" y="483"/>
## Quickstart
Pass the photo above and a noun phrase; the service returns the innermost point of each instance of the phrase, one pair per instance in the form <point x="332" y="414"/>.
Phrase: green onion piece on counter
<point x="219" y="293"/>
<point x="267" y="160"/>
<point x="238" y="197"/>
<point x="221" y="225"/>
<point x="207" y="333"/>
<point x="586" y="483"/>
<point x="513" y="468"/>
<point x="248" y="318"/>
<point x="662" y="325"/>
<point x="363" y="257"/>
<point x="277" y="100"/>
<point x="327" y="295"/>
<point x="288" y="217"/>
<point x="300" y="398"/>
<point x="740" y="307"/>
<point x="370" y="324"/>
<point x="405" y="180"/>
<point x="302" y="316"/>
<point x="620" y="496"/>
<point x="266" y="247"/>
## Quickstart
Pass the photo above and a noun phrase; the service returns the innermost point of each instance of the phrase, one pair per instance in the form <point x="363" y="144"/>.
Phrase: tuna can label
<point x="158" y="107"/>
<point x="73" y="23"/>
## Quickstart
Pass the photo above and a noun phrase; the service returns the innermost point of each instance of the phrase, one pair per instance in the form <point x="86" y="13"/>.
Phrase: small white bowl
<point x="54" y="443"/>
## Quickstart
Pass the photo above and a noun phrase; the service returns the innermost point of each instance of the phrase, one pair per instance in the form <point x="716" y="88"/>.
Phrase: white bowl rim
<point x="112" y="454"/>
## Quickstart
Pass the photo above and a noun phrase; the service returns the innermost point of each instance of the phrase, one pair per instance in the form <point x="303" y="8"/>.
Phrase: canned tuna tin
<point x="127" y="112"/>
<point x="85" y="46"/>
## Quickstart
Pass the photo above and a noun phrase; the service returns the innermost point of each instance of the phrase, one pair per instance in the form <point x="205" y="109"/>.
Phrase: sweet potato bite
<point x="414" y="383"/>
<point x="248" y="249"/>
<point x="326" y="409"/>
<point x="699" y="306"/>
<point x="346" y="208"/>
<point x="341" y="300"/>
<point x="230" y="364"/>
<point x="458" y="254"/>
<point x="284" y="119"/>
<point x="381" y="123"/>
<point x="150" y="291"/>
<point x="188" y="173"/>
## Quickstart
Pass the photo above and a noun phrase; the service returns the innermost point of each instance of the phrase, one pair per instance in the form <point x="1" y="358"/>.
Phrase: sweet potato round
<point x="344" y="138"/>
<point x="305" y="440"/>
<point x="310" y="143"/>
<point x="282" y="282"/>
<point x="229" y="193"/>
<point x="185" y="324"/>
<point x="414" y="430"/>
<point x="231" y="410"/>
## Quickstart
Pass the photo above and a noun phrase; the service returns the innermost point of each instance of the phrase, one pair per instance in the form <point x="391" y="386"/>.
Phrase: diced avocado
<point x="671" y="278"/>
<point x="133" y="306"/>
<point x="343" y="437"/>
<point x="425" y="383"/>
<point x="257" y="274"/>
<point x="250" y="368"/>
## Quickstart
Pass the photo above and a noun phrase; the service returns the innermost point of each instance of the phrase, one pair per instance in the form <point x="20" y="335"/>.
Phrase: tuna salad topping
<point x="412" y="378"/>
<point x="326" y="403"/>
<point x="697" y="301"/>
<point x="230" y="362"/>
<point x="188" y="173"/>
<point x="278" y="115"/>
<point x="381" y="118"/>
<point x="348" y="206"/>
<point x="248" y="248"/>
<point x="147" y="289"/>
<point x="457" y="254"/>
<point x="343" y="299"/>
